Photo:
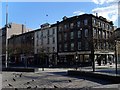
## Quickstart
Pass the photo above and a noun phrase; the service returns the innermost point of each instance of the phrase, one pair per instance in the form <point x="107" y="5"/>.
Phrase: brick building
<point x="12" y="29"/>
<point x="21" y="49"/>
<point x="83" y="39"/>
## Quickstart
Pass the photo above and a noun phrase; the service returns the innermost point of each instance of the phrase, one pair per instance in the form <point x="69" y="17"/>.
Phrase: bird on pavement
<point x="15" y="75"/>
<point x="20" y="75"/>
<point x="29" y="87"/>
<point x="16" y="88"/>
<point x="6" y="80"/>
<point x="33" y="80"/>
<point x="14" y="79"/>
<point x="55" y="86"/>
<point x="36" y="86"/>
<point x="10" y="85"/>
<point x="69" y="80"/>
<point x="28" y="83"/>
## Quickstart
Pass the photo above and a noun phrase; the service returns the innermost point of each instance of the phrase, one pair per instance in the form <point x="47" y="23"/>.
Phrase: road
<point x="50" y="78"/>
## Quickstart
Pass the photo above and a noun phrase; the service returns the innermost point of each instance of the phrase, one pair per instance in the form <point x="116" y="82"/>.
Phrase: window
<point x="71" y="35"/>
<point x="81" y="58"/>
<point x="65" y="26"/>
<point x="60" y="29"/>
<point x="86" y="45"/>
<point x="107" y="27"/>
<point x="99" y="34"/>
<point x="104" y="35"/>
<point x="48" y="32"/>
<point x="85" y="22"/>
<point x="71" y="25"/>
<point x="102" y="25"/>
<point x="108" y="34"/>
<point x="86" y="58"/>
<point x="104" y="45"/>
<point x="65" y="47"/>
<point x="79" y="34"/>
<point x="37" y="51"/>
<point x="101" y="45"/>
<point x="48" y="40"/>
<point x="86" y="32"/>
<point x="41" y="41"/>
<point x="53" y="40"/>
<point x="79" y="45"/>
<point x="65" y="36"/>
<point x="78" y="24"/>
<point x="59" y="37"/>
<point x="94" y="21"/>
<point x="110" y="27"/>
<point x="60" y="47"/>
<point x="72" y="46"/>
<point x="94" y="33"/>
<point x="95" y="45"/>
<point x="48" y="49"/>
<point x="99" y="23"/>
<point x="53" y="49"/>
<point x="37" y="42"/>
<point x="37" y="35"/>
<point x="107" y="45"/>
<point x="41" y="34"/>
<point x="53" y="31"/>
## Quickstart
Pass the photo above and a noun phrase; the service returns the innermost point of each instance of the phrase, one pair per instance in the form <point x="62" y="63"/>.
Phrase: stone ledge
<point x="111" y="78"/>
<point x="20" y="69"/>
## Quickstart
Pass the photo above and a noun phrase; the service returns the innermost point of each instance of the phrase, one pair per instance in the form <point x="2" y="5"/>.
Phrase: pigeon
<point x="33" y="80"/>
<point x="16" y="89"/>
<point x="6" y="80"/>
<point x="14" y="79"/>
<point x="28" y="83"/>
<point x="55" y="86"/>
<point x="20" y="75"/>
<point x="36" y="86"/>
<point x="10" y="85"/>
<point x="29" y="87"/>
<point x="15" y="75"/>
<point x="69" y="80"/>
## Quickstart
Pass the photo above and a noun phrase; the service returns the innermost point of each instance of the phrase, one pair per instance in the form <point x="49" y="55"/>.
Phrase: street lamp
<point x="76" y="57"/>
<point x="116" y="57"/>
<point x="6" y="62"/>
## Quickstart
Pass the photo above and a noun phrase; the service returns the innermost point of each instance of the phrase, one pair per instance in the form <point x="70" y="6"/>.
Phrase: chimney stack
<point x="96" y="14"/>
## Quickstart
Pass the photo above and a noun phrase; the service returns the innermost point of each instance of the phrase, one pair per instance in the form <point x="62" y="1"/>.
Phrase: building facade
<point x="117" y="38"/>
<point x="46" y="42"/>
<point x="11" y="30"/>
<point x="21" y="49"/>
<point x="84" y="38"/>
<point x="0" y="47"/>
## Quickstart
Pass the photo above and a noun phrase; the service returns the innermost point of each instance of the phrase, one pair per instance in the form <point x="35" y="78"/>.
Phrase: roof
<point x="90" y="15"/>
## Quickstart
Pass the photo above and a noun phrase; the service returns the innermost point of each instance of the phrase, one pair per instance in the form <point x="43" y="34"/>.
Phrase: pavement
<point x="57" y="78"/>
<point x="49" y="78"/>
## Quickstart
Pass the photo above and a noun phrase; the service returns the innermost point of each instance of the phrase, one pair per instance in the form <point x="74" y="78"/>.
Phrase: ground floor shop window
<point x="81" y="58"/>
<point x="86" y="58"/>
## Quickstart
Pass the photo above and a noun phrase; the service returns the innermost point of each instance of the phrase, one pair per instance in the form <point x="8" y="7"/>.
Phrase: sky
<point x="33" y="14"/>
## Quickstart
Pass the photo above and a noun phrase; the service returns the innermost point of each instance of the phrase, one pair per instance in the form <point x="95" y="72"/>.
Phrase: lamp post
<point x="76" y="58"/>
<point x="54" y="57"/>
<point x="43" y="61"/>
<point x="116" y="57"/>
<point x="6" y="62"/>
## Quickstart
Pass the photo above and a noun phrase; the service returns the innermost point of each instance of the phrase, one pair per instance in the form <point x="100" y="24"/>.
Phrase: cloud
<point x="104" y="1"/>
<point x="78" y="12"/>
<point x="109" y="12"/>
